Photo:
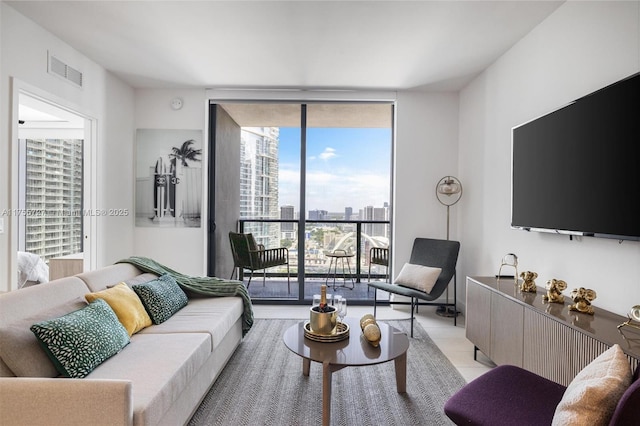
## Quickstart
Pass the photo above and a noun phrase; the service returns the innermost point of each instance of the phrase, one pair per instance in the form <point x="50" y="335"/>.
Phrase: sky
<point x="345" y="168"/>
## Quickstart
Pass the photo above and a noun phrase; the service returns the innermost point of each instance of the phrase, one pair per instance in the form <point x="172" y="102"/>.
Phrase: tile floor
<point x="451" y="340"/>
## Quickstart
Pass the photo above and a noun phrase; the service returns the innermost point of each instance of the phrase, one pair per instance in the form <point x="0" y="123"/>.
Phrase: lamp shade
<point x="449" y="190"/>
<point x="448" y="186"/>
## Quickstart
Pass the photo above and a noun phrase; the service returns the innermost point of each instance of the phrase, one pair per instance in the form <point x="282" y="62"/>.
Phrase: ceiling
<point x="347" y="45"/>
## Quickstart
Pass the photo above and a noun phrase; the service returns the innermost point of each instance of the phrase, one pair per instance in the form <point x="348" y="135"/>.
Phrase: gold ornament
<point x="554" y="291"/>
<point x="582" y="298"/>
<point x="370" y="330"/>
<point x="528" y="284"/>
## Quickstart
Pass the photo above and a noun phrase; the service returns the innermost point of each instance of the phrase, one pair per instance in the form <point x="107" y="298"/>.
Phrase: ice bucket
<point x="323" y="322"/>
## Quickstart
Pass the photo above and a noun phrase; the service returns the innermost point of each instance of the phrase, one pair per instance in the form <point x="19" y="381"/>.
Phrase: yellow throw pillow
<point x="127" y="306"/>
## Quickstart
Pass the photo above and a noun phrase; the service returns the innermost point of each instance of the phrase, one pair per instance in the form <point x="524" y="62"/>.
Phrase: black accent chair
<point x="436" y="254"/>
<point x="247" y="254"/>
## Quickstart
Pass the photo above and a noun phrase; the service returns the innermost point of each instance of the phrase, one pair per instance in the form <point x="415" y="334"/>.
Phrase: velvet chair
<point x="509" y="395"/>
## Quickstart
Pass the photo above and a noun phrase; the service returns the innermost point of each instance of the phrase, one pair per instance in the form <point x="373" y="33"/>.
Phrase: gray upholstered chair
<point x="247" y="254"/>
<point x="427" y="252"/>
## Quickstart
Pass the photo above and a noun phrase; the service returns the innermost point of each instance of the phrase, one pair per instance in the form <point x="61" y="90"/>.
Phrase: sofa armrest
<point x="44" y="401"/>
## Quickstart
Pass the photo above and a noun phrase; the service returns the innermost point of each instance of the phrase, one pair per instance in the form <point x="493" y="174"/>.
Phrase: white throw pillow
<point x="592" y="396"/>
<point x="420" y="277"/>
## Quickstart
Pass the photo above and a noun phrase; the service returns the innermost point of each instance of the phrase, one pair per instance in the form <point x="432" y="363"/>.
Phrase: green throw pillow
<point x="161" y="297"/>
<point x="81" y="340"/>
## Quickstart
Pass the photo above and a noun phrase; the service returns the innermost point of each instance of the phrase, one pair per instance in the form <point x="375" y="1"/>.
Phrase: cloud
<point x="328" y="154"/>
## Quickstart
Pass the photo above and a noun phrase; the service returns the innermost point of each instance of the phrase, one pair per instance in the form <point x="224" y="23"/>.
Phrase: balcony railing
<point x="355" y="237"/>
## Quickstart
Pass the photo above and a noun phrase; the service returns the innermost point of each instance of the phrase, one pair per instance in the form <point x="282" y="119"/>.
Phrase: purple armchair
<point x="509" y="395"/>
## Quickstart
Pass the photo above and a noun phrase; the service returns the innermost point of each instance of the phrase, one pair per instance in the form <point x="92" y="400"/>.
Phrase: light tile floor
<point x="451" y="340"/>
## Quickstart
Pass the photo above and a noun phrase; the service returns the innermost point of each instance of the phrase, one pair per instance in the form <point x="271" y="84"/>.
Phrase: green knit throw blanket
<point x="207" y="286"/>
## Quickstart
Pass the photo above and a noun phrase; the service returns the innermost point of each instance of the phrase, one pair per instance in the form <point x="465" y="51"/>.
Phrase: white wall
<point x="426" y="151"/>
<point x="23" y="54"/>
<point x="581" y="47"/>
<point x="182" y="249"/>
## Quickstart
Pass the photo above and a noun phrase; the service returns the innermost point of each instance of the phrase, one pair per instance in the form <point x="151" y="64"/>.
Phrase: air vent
<point x="60" y="69"/>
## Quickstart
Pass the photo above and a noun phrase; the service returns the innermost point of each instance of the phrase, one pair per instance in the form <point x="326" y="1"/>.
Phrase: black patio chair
<point x="427" y="252"/>
<point x="378" y="256"/>
<point x="247" y="254"/>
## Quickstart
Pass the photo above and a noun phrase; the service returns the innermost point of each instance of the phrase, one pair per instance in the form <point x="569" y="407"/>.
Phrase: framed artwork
<point x="168" y="178"/>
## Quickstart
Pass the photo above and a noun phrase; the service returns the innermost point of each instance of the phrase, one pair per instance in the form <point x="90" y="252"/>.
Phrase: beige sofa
<point x="159" y="378"/>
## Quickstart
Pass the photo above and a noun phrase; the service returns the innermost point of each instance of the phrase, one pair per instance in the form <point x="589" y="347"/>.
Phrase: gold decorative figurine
<point x="528" y="284"/>
<point x="554" y="291"/>
<point x="582" y="298"/>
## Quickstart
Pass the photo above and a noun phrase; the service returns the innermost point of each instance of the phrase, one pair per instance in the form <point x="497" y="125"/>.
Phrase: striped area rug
<point x="263" y="385"/>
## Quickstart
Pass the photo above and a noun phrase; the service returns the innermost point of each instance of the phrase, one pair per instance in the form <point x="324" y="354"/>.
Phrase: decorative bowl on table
<point x="342" y="332"/>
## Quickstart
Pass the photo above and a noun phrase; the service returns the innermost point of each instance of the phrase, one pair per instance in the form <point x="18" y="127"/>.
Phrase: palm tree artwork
<point x="179" y="158"/>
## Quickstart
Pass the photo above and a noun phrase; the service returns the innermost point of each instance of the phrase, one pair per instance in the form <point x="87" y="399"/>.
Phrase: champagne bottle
<point x="323" y="299"/>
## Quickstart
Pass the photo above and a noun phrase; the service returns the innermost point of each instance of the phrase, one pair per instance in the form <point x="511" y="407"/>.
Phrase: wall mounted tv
<point x="576" y="170"/>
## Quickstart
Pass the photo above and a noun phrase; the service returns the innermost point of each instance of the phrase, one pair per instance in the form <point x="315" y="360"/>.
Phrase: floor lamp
<point x="448" y="193"/>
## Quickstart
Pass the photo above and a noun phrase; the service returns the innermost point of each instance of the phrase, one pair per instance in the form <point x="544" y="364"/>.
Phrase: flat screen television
<point x="576" y="170"/>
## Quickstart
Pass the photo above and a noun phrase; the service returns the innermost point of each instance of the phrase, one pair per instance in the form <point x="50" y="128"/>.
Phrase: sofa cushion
<point x="79" y="341"/>
<point x="419" y="277"/>
<point x="212" y="315"/>
<point x="592" y="395"/>
<point x="161" y="367"/>
<point x="19" y="347"/>
<point x="127" y="306"/>
<point x="161" y="297"/>
<point x="102" y="278"/>
<point x="141" y="279"/>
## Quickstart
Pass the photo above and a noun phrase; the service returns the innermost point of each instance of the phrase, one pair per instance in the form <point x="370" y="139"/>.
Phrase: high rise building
<point x="287" y="229"/>
<point x="259" y="182"/>
<point x="53" y="197"/>
<point x="348" y="212"/>
<point x="376" y="213"/>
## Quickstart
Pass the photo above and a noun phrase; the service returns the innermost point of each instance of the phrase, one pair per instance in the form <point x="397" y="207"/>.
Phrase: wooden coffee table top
<point x="354" y="351"/>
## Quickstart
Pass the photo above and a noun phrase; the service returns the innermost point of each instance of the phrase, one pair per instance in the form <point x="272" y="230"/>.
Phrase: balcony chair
<point x="510" y="395"/>
<point x="432" y="253"/>
<point x="247" y="254"/>
<point x="378" y="256"/>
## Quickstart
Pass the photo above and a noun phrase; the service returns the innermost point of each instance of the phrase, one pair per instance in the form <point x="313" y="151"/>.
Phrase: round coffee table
<point x="352" y="352"/>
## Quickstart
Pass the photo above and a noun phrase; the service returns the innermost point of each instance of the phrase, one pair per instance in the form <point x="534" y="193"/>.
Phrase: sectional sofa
<point x="158" y="378"/>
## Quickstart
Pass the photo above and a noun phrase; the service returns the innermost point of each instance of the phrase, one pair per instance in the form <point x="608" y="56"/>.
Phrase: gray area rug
<point x="263" y="385"/>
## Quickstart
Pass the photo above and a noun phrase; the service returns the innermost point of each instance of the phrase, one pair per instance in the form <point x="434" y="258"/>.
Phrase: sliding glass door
<point x="315" y="179"/>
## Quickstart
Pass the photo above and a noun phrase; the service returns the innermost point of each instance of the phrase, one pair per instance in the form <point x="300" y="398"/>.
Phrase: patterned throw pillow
<point x="161" y="297"/>
<point x="79" y="341"/>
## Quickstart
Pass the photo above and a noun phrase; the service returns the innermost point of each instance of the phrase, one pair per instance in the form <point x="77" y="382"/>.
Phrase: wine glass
<point x="342" y="308"/>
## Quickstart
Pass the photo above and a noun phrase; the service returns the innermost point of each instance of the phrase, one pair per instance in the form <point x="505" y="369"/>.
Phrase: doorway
<point x="53" y="190"/>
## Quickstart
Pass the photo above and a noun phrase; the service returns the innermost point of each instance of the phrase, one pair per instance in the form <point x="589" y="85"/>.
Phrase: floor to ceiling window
<point x="316" y="179"/>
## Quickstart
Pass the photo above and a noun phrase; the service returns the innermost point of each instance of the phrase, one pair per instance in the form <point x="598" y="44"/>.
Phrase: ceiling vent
<point x="60" y="69"/>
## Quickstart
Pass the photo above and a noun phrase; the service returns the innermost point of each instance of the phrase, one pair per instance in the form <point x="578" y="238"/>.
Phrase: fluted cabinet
<point x="512" y="327"/>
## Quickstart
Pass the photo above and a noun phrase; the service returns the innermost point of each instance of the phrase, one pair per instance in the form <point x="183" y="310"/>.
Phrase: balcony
<point x="321" y="237"/>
